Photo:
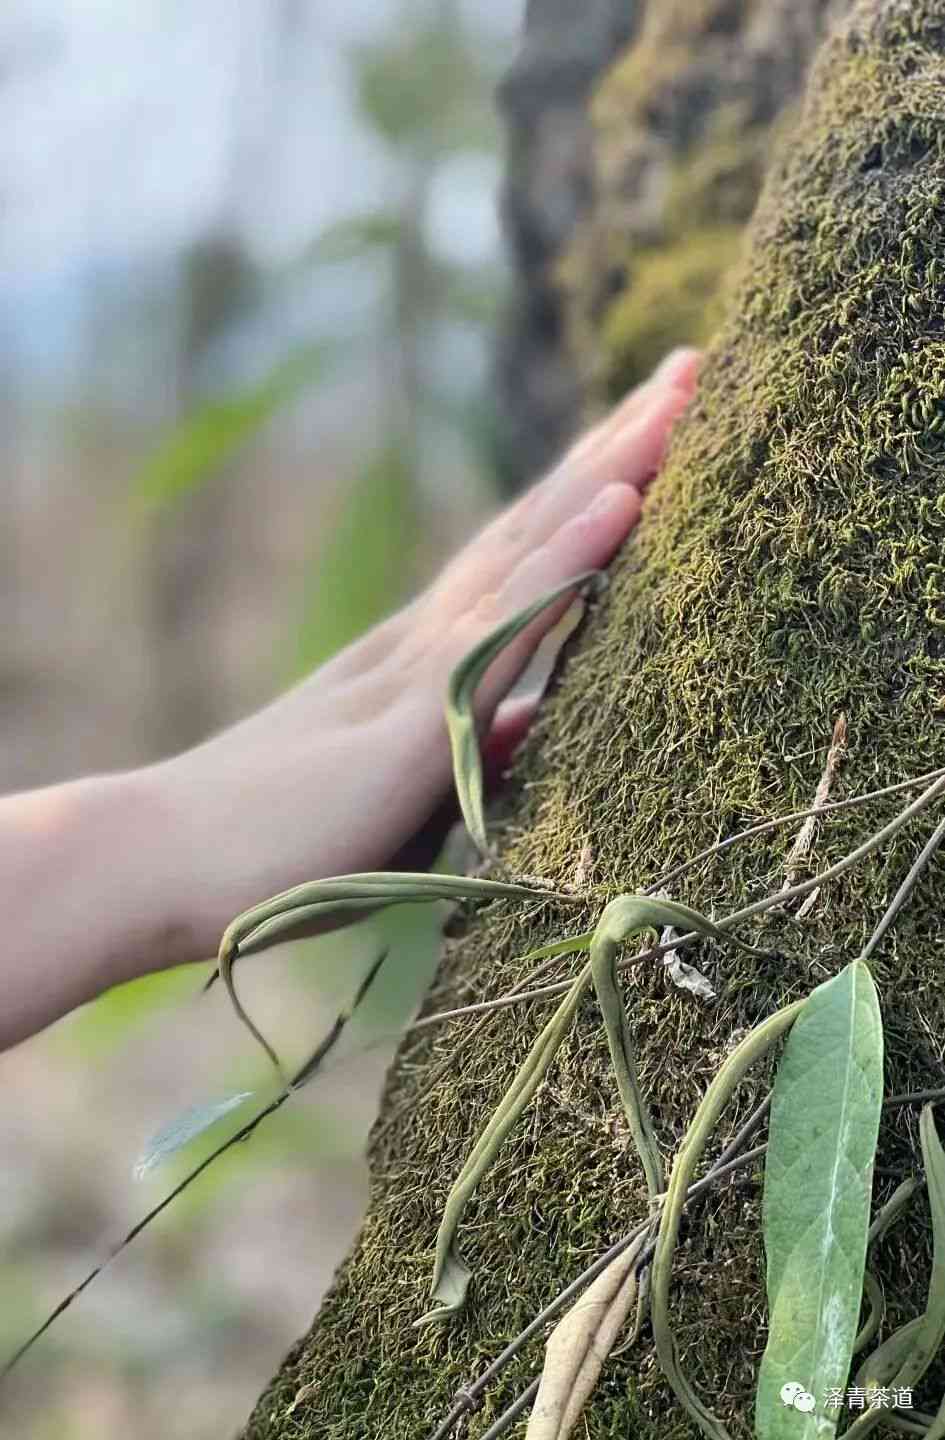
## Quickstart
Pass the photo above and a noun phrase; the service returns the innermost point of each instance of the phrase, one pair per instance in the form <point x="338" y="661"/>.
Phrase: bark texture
<point x="626" y="197"/>
<point x="789" y="569"/>
<point x="549" y="188"/>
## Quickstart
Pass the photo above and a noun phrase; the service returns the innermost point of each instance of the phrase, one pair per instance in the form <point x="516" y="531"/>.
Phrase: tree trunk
<point x="789" y="571"/>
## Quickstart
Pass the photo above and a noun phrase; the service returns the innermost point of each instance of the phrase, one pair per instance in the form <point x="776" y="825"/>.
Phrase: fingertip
<point x="680" y="367"/>
<point x="590" y="538"/>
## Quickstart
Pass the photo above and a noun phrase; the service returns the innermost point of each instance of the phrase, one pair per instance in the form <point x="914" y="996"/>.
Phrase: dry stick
<point x="509" y="1416"/>
<point x="805" y="835"/>
<point x="768" y="825"/>
<point x="302" y="1075"/>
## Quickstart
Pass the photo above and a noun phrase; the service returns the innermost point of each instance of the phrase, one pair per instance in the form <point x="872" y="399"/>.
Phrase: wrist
<point x="127" y="827"/>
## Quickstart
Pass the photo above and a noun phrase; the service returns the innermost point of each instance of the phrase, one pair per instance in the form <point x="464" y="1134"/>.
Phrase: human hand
<point x="105" y="878"/>
<point x="350" y="771"/>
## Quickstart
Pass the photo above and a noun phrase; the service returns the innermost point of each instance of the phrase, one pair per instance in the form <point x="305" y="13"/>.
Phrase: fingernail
<point x="678" y="362"/>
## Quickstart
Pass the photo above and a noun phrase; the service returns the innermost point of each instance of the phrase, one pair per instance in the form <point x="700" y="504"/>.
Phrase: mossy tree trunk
<point x="789" y="571"/>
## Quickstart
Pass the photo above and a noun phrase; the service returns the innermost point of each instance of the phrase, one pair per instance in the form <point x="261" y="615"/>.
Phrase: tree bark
<point x="789" y="570"/>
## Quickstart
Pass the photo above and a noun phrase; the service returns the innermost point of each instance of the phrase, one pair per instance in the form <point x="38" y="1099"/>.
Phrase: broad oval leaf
<point x="818" y="1180"/>
<point x="186" y="1127"/>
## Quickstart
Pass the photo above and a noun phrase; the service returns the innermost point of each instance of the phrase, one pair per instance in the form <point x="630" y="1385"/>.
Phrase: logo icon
<point x="795" y="1397"/>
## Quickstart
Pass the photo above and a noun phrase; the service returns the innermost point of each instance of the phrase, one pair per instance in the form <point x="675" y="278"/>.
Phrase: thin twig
<point x="301" y="1077"/>
<point x="905" y="890"/>
<point x="509" y="1416"/>
<point x="766" y="826"/>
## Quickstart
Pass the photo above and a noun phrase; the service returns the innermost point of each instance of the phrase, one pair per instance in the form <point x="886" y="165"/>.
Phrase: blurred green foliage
<point x="427" y="87"/>
<point x="362" y="567"/>
<point x="195" y="449"/>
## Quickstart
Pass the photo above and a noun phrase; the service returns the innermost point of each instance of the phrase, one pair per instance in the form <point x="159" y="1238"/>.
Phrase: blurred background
<point x="250" y="273"/>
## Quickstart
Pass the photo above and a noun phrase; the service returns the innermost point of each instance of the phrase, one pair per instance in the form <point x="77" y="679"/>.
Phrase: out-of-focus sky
<point x="129" y="131"/>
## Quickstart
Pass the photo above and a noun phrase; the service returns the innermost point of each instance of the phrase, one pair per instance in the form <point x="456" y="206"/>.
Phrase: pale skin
<point x="109" y="877"/>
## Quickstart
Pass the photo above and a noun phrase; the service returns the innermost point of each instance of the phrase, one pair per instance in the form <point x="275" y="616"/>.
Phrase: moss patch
<point x="789" y="568"/>
<point x="674" y="298"/>
<point x="684" y="124"/>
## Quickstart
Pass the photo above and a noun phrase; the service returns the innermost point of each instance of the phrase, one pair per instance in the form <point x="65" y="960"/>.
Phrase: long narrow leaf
<point x="747" y="1053"/>
<point x="346" y="895"/>
<point x="818" y="1180"/>
<point x="914" y="1345"/>
<point x="451" y="1275"/>
<point x="211" y="433"/>
<point x="623" y="918"/>
<point x="460" y="721"/>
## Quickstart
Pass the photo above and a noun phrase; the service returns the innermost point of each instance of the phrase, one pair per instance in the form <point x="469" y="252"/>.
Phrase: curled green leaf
<point x="460" y="721"/>
<point x="755" y="1045"/>
<point x="623" y="918"/>
<point x="342" y="896"/>
<point x="876" y="1299"/>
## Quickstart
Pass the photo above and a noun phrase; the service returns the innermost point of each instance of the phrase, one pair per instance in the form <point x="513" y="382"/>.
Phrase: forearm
<point x="90" y="877"/>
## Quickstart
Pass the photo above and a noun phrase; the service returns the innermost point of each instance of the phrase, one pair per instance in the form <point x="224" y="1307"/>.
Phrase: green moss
<point x="684" y="124"/>
<point x="789" y="569"/>
<point x="674" y="298"/>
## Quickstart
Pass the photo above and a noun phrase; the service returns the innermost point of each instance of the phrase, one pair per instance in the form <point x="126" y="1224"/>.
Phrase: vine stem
<point x="769" y="902"/>
<point x="300" y="1078"/>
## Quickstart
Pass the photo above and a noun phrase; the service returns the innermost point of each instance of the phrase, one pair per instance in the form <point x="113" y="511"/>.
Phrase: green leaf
<point x="460" y="721"/>
<point x="186" y="1127"/>
<point x="425" y="89"/>
<point x="346" y="899"/>
<point x="902" y="1360"/>
<point x="197" y="447"/>
<point x="622" y="918"/>
<point x="355" y="236"/>
<point x="363" y="566"/>
<point x="747" y="1053"/>
<point x="818" y="1179"/>
<point x="450" y="1275"/>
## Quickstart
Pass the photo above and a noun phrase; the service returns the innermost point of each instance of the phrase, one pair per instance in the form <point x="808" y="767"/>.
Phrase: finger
<point x="679" y="368"/>
<point x="585" y="542"/>
<point x="630" y="456"/>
